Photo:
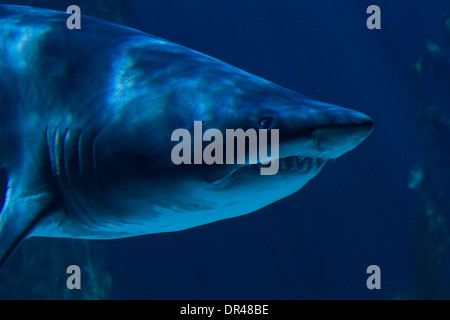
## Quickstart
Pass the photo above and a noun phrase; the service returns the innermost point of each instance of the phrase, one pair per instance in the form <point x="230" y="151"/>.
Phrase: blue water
<point x="359" y="211"/>
<point x="317" y="243"/>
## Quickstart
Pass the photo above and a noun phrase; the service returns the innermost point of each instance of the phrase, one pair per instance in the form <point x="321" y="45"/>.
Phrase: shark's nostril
<point x="369" y="125"/>
<point x="365" y="126"/>
<point x="363" y="123"/>
<point x="361" y="120"/>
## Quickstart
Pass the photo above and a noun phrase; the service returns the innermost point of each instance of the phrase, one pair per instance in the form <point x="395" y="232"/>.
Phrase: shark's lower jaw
<point x="293" y="165"/>
<point x="298" y="164"/>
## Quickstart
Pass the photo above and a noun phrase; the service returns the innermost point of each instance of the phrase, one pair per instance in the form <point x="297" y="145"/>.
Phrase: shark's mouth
<point x="296" y="165"/>
<point x="300" y="164"/>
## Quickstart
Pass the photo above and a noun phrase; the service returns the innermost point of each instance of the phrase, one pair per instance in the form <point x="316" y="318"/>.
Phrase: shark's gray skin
<point x="86" y="122"/>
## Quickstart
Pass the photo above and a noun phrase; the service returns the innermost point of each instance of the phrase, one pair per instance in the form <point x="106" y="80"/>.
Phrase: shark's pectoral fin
<point x="18" y="217"/>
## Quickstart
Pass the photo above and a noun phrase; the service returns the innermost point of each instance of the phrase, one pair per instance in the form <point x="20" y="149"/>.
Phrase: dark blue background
<point x="358" y="211"/>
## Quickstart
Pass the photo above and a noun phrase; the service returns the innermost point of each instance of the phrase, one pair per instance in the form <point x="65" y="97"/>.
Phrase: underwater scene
<point x="225" y="150"/>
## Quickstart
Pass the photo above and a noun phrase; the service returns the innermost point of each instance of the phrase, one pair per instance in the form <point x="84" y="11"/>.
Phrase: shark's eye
<point x="266" y="123"/>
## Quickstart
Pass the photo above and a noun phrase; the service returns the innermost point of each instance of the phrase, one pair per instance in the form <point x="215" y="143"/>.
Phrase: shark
<point x="86" y="119"/>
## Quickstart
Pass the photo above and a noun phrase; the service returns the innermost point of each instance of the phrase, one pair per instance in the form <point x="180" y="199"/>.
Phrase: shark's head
<point x="308" y="134"/>
<point x="134" y="153"/>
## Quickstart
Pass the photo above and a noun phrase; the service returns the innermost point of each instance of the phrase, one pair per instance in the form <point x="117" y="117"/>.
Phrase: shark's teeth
<point x="282" y="164"/>
<point x="296" y="164"/>
<point x="293" y="164"/>
<point x="318" y="162"/>
<point x="300" y="164"/>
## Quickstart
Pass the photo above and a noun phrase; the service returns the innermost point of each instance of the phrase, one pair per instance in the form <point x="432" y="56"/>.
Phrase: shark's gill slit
<point x="94" y="160"/>
<point x="63" y="153"/>
<point x="77" y="146"/>
<point x="70" y="180"/>
<point x="3" y="187"/>
<point x="66" y="155"/>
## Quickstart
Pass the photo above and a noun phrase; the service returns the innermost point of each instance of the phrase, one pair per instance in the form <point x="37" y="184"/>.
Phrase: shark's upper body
<point x="86" y="122"/>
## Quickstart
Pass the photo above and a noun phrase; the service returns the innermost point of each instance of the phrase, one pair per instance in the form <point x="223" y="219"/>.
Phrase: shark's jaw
<point x="293" y="166"/>
<point x="301" y="157"/>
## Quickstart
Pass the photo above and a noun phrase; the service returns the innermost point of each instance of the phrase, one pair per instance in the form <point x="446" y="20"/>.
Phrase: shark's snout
<point x="335" y="139"/>
<point x="324" y="131"/>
